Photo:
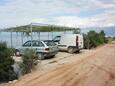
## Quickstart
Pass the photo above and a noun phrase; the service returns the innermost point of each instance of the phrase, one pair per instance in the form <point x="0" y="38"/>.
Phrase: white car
<point x="43" y="49"/>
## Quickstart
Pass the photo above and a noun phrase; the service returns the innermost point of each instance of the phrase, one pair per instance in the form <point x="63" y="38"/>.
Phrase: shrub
<point x="6" y="70"/>
<point x="28" y="61"/>
<point x="113" y="38"/>
<point x="93" y="39"/>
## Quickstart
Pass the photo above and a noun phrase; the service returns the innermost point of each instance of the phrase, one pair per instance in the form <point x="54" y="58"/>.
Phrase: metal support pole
<point x="11" y="40"/>
<point x="22" y="37"/>
<point x="52" y="32"/>
<point x="31" y="34"/>
<point x="39" y="36"/>
<point x="48" y="35"/>
<point x="52" y="35"/>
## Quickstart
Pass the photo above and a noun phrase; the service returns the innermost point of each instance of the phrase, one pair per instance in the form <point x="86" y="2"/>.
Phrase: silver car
<point x="43" y="49"/>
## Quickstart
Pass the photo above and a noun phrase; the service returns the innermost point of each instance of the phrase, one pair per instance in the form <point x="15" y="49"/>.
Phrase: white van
<point x="69" y="42"/>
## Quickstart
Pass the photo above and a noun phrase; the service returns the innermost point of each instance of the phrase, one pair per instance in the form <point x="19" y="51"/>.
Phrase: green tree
<point x="93" y="39"/>
<point x="102" y="35"/>
<point x="6" y="62"/>
<point x="86" y="41"/>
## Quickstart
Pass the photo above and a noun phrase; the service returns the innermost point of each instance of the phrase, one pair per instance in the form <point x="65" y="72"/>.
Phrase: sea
<point x="15" y="39"/>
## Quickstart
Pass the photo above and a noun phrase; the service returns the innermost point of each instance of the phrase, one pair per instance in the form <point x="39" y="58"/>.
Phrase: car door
<point x="26" y="46"/>
<point x="38" y="46"/>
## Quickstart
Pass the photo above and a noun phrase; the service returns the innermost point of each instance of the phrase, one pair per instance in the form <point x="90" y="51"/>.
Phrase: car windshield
<point x="57" y="38"/>
<point x="49" y="43"/>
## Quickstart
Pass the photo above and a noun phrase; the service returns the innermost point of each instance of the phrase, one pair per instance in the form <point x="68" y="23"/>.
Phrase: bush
<point x="86" y="41"/>
<point x="28" y="61"/>
<point x="6" y="70"/>
<point x="113" y="38"/>
<point x="94" y="39"/>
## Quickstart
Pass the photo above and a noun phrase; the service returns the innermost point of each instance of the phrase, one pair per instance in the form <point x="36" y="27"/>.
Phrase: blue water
<point x="17" y="37"/>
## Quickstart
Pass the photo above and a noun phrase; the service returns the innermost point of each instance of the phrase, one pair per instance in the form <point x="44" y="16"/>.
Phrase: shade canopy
<point x="37" y="27"/>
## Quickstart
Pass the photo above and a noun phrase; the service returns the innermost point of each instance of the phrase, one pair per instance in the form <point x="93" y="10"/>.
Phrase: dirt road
<point x="95" y="69"/>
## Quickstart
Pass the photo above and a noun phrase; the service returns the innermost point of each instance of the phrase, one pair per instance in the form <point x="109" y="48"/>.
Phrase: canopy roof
<point x="37" y="27"/>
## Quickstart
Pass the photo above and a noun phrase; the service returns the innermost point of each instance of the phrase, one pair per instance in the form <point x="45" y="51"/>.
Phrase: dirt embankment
<point x="92" y="69"/>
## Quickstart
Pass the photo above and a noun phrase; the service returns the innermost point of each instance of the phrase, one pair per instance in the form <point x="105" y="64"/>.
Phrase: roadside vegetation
<point x="114" y="38"/>
<point x="29" y="61"/>
<point x="6" y="70"/>
<point x="93" y="39"/>
<point x="6" y="63"/>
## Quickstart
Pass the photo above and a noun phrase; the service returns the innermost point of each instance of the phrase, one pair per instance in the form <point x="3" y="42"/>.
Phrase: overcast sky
<point x="76" y="13"/>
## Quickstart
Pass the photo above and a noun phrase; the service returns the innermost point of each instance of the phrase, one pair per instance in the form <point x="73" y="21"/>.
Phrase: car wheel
<point x="78" y="51"/>
<point x="40" y="56"/>
<point x="71" y="50"/>
<point x="53" y="56"/>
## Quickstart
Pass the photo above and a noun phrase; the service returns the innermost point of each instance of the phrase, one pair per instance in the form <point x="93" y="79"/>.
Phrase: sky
<point x="73" y="13"/>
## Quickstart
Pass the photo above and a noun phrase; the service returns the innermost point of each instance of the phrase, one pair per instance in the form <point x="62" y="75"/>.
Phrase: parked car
<point x="69" y="42"/>
<point x="43" y="49"/>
